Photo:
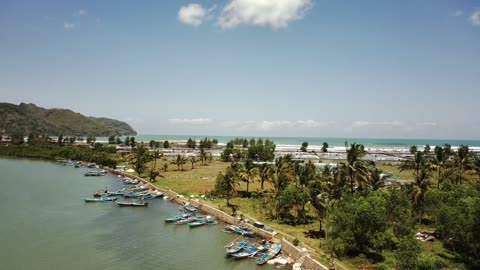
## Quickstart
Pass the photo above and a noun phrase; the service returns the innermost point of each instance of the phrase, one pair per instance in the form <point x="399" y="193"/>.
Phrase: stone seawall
<point x="292" y="251"/>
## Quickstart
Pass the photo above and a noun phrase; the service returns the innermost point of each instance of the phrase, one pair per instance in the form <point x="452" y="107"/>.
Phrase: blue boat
<point x="196" y="223"/>
<point x="102" y="199"/>
<point x="241" y="231"/>
<point x="234" y="248"/>
<point x="249" y="251"/>
<point x="274" y="250"/>
<point x="135" y="204"/>
<point x="153" y="196"/>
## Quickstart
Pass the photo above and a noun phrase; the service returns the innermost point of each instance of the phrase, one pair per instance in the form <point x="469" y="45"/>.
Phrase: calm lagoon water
<point x="46" y="225"/>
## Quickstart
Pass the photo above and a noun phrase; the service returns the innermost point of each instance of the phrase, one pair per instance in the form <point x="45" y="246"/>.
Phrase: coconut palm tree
<point x="376" y="181"/>
<point x="227" y="183"/>
<point x="247" y="172"/>
<point x="179" y="161"/>
<point x="153" y="174"/>
<point x="265" y="172"/>
<point x="193" y="160"/>
<point x="416" y="163"/>
<point x="438" y="163"/>
<point x="203" y="156"/>
<point x="156" y="155"/>
<point x="355" y="168"/>
<point x="464" y="161"/>
<point x="420" y="187"/>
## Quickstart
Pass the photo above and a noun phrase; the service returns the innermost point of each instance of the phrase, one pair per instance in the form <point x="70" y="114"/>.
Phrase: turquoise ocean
<point x="368" y="142"/>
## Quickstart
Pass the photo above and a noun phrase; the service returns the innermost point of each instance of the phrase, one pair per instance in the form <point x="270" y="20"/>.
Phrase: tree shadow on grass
<point x="314" y="234"/>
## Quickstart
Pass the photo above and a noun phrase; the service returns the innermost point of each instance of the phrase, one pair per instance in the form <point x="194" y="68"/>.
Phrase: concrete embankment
<point x="298" y="255"/>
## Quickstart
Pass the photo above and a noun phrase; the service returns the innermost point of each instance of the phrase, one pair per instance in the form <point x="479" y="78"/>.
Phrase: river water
<point x="46" y="225"/>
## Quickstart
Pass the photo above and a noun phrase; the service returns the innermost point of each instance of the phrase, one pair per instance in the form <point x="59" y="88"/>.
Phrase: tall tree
<point x="420" y="187"/>
<point x="156" y="155"/>
<point x="304" y="147"/>
<point x="225" y="185"/>
<point x="355" y="167"/>
<point x="193" y="160"/>
<point x="179" y="161"/>
<point x="265" y="171"/>
<point x="247" y="172"/>
<point x="324" y="147"/>
<point x="139" y="158"/>
<point x="153" y="174"/>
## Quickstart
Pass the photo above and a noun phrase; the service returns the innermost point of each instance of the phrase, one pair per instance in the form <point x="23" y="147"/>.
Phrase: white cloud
<point x="362" y="124"/>
<point x="191" y="121"/>
<point x="458" y="13"/>
<point x="475" y="18"/>
<point x="80" y="12"/>
<point x="193" y="14"/>
<point x="265" y="125"/>
<point x="68" y="26"/>
<point x="427" y="124"/>
<point x="274" y="13"/>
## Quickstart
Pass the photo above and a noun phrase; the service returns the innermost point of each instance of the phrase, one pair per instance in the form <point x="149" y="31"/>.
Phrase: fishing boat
<point x="247" y="252"/>
<point x="177" y="218"/>
<point x="102" y="199"/>
<point x="239" y="230"/>
<point x="93" y="200"/>
<point x="197" y="223"/>
<point x="94" y="173"/>
<point x="272" y="252"/>
<point x="153" y="196"/>
<point x="185" y="221"/>
<point x="129" y="181"/>
<point x="116" y="192"/>
<point x="108" y="199"/>
<point x="233" y="248"/>
<point x="135" y="204"/>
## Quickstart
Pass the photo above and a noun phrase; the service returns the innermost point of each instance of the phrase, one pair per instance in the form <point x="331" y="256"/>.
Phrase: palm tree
<point x="226" y="184"/>
<point x="265" y="171"/>
<point x="464" y="161"/>
<point x="153" y="174"/>
<point x="156" y="155"/>
<point x="415" y="164"/>
<point x="356" y="169"/>
<point x="203" y="156"/>
<point x="249" y="172"/>
<point x="179" y="161"/>
<point x="376" y="181"/>
<point x="165" y="167"/>
<point x="193" y="160"/>
<point x="420" y="187"/>
<point x="438" y="163"/>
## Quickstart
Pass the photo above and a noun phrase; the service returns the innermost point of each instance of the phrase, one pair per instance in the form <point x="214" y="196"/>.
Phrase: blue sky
<point x="328" y="68"/>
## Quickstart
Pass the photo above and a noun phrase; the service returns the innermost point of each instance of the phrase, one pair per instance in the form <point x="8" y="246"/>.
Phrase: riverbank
<point x="298" y="255"/>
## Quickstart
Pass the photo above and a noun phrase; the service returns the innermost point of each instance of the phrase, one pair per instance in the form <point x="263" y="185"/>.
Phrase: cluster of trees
<point x="245" y="143"/>
<point x="158" y="144"/>
<point x="259" y="150"/>
<point x="114" y="140"/>
<point x="51" y="151"/>
<point x="363" y="218"/>
<point x="206" y="143"/>
<point x="191" y="143"/>
<point x="304" y="147"/>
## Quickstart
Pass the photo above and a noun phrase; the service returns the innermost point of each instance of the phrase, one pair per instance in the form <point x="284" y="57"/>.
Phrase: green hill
<point x="28" y="118"/>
